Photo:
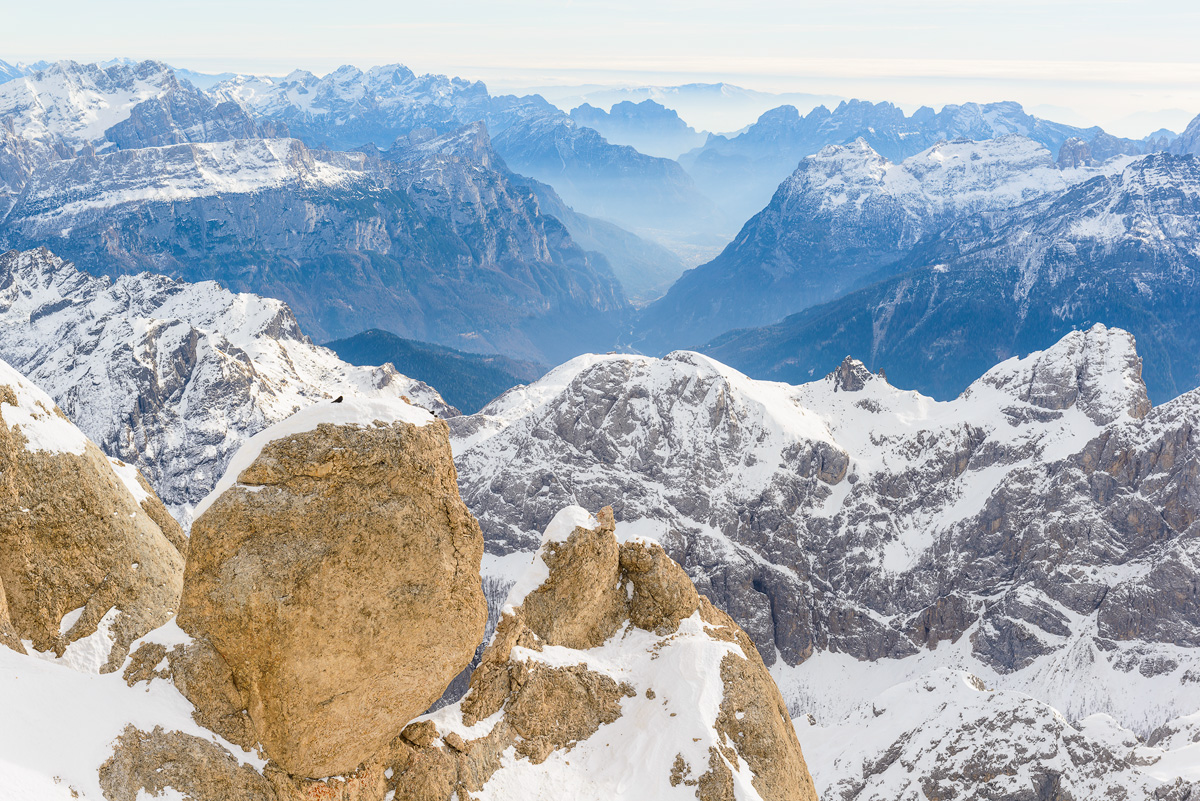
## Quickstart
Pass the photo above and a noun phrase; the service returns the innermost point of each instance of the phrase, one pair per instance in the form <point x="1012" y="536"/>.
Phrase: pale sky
<point x="1111" y="62"/>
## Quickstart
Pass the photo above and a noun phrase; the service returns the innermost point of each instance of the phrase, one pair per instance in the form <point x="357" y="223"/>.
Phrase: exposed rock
<point x="609" y="675"/>
<point x="85" y="569"/>
<point x="335" y="570"/>
<point x="147" y="763"/>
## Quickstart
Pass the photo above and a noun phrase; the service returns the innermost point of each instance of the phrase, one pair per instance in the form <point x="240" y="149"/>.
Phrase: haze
<point x="1113" y="63"/>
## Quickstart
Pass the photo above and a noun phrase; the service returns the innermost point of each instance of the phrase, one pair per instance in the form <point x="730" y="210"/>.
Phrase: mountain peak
<point x="1096" y="371"/>
<point x="851" y="376"/>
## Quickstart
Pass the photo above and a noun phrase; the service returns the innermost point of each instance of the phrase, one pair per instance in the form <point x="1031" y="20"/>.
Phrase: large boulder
<point x="89" y="558"/>
<point x="334" y="572"/>
<point x="609" y="676"/>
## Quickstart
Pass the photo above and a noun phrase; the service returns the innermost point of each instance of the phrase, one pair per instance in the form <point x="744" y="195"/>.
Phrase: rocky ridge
<point x="852" y="528"/>
<point x="608" y="676"/>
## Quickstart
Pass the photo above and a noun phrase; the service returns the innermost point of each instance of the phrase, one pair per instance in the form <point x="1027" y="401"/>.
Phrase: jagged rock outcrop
<point x="89" y="559"/>
<point x="608" y="675"/>
<point x="335" y="571"/>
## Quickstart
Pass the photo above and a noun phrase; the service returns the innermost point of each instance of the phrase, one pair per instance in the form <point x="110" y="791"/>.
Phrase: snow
<point x="61" y="191"/>
<point x="35" y="415"/>
<point x="631" y="758"/>
<point x="356" y="412"/>
<point x="87" y="654"/>
<point x="129" y="477"/>
<point x="59" y="725"/>
<point x="949" y="725"/>
<point x="79" y="102"/>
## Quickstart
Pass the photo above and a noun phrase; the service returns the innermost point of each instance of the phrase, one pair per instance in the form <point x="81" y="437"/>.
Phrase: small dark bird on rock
<point x="338" y="399"/>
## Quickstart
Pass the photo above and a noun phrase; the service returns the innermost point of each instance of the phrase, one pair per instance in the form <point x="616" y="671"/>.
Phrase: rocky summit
<point x="336" y="572"/>
<point x="608" y="676"/>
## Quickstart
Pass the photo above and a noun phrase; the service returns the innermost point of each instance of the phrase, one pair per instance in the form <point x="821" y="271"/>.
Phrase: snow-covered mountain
<point x="842" y="214"/>
<point x="77" y="103"/>
<point x="439" y="243"/>
<point x="1121" y="249"/>
<point x="1035" y="532"/>
<point x="948" y="735"/>
<point x="743" y="170"/>
<point x="349" y="107"/>
<point x="68" y="109"/>
<point x="168" y="376"/>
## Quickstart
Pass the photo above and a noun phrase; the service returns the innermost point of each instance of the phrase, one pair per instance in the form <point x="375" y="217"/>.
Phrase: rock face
<point x="89" y="559"/>
<point x="335" y="570"/>
<point x="169" y="376"/>
<point x="608" y="676"/>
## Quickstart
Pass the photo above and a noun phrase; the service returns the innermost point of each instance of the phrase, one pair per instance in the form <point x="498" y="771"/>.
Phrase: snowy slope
<point x="169" y="376"/>
<point x="864" y="535"/>
<point x="77" y="103"/>
<point x="948" y="734"/>
<point x="59" y="192"/>
<point x="61" y="760"/>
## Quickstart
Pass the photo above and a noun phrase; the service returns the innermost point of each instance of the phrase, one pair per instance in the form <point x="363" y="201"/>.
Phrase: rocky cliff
<point x="89" y="559"/>
<point x="608" y="677"/>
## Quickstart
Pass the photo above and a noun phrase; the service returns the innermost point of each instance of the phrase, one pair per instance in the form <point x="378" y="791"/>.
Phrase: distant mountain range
<point x="713" y="106"/>
<point x="349" y="108"/>
<point x="650" y="127"/>
<point x="743" y="170"/>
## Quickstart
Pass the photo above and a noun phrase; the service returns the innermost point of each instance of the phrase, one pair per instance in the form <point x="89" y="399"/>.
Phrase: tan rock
<point x="144" y="764"/>
<point x="603" y="663"/>
<point x="339" y="581"/>
<point x="75" y="538"/>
